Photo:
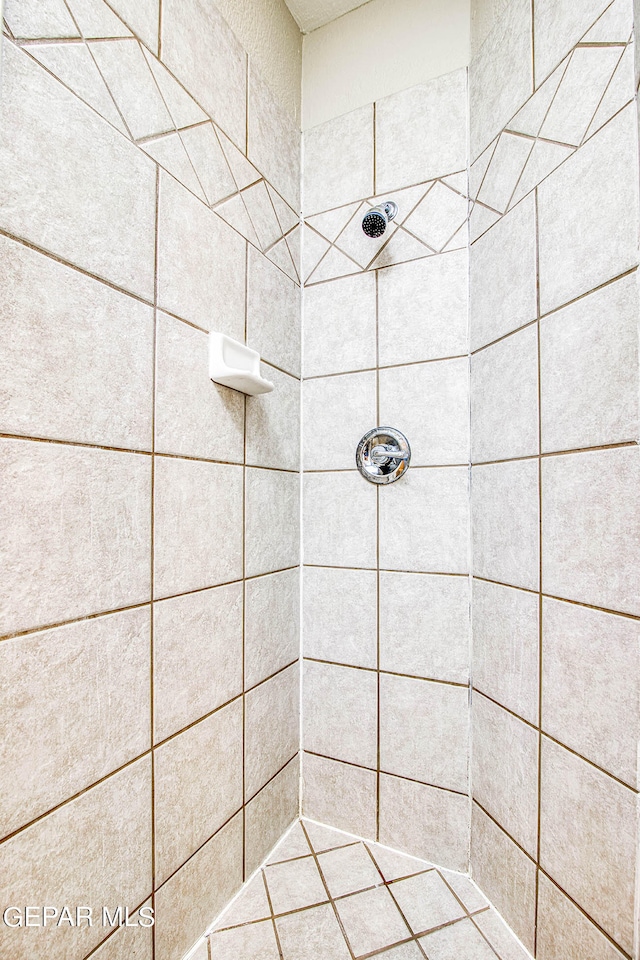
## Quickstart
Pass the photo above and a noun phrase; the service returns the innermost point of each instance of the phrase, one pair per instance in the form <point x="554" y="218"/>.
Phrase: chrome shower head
<point x="374" y="222"/>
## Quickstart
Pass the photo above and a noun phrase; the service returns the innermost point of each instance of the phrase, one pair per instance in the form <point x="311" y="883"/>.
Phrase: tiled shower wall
<point x="149" y="619"/>
<point x="385" y="714"/>
<point x="556" y="475"/>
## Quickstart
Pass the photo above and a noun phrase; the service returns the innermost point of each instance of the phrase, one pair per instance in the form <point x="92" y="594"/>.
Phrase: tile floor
<point x="325" y="895"/>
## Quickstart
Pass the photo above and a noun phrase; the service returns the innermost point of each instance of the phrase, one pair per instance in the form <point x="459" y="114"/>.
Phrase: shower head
<point x="374" y="222"/>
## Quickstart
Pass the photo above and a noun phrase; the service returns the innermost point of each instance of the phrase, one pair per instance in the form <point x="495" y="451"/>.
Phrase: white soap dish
<point x="235" y="365"/>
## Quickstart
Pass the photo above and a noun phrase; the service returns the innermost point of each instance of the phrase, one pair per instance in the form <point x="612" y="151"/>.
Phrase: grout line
<point x="385" y="366"/>
<point x="416" y="466"/>
<point x="551" y="596"/>
<point x="263" y="874"/>
<point x="417" y="573"/>
<point x="138" y="606"/>
<point x="244" y="585"/>
<point x="387" y="673"/>
<point x="152" y="556"/>
<point x="326" y="887"/>
<point x="543" y="734"/>
<point x="378" y="530"/>
<point x="387" y="773"/>
<point x="540" y="554"/>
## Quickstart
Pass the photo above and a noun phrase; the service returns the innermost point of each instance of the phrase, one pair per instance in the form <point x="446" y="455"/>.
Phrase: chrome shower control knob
<point x="383" y="455"/>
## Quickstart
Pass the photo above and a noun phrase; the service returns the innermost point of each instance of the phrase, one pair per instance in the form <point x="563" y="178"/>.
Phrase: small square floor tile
<point x="466" y="890"/>
<point x="349" y="870"/>
<point x="426" y="901"/>
<point x="460" y="941"/>
<point x="371" y="921"/>
<point x="255" y="941"/>
<point x="312" y="935"/>
<point x="294" y="884"/>
<point x="295" y="844"/>
<point x="500" y="936"/>
<point x="252" y="904"/>
<point x="324" y="838"/>
<point x="395" y="865"/>
<point x="406" y="951"/>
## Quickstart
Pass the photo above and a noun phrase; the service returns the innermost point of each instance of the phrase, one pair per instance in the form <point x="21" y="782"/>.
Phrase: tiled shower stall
<point x="461" y="681"/>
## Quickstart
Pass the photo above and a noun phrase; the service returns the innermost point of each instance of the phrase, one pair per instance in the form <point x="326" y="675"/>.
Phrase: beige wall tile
<point x="589" y="370"/>
<point x="424" y="521"/>
<point x="142" y="17"/>
<point x="505" y="875"/>
<point x="194" y="416"/>
<point x="128" y="943"/>
<point x="591" y="685"/>
<point x="588" y="838"/>
<point x="339" y="616"/>
<point x="197" y="656"/>
<point x="95" y="850"/>
<point x="198" y="525"/>
<point x="558" y="28"/>
<point x="77" y="356"/>
<point x="273" y="313"/>
<point x="339" y="520"/>
<point x="506" y="647"/>
<point x="330" y="438"/>
<point x="199" y="47"/>
<point x="303" y="935"/>
<point x="330" y="344"/>
<point x="34" y="20"/>
<point x="272" y="521"/>
<point x="59" y="163"/>
<point x="273" y="423"/>
<point x="189" y="902"/>
<point x="505" y="522"/>
<point x="505" y="771"/>
<point x="586" y="233"/>
<point x="197" y="253"/>
<point x="423" y="309"/>
<point x="78" y="540"/>
<point x="130" y="81"/>
<point x="500" y="75"/>
<point x="504" y="398"/>
<point x="74" y="707"/>
<point x="424" y="731"/>
<point x="198" y="786"/>
<point x="424" y="626"/>
<point x="442" y="390"/>
<point x="564" y="933"/>
<point x="327" y="181"/>
<point x="421" y="133"/>
<point x="425" y="822"/>
<point x="340" y="707"/>
<point x="502" y="276"/>
<point x="272" y="624"/>
<point x="340" y="795"/>
<point x="269" y="813"/>
<point x="272" y="727"/>
<point x="273" y="140"/>
<point x="590" y="528"/>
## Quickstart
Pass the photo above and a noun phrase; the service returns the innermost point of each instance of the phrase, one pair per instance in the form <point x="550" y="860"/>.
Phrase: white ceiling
<point x="310" y="14"/>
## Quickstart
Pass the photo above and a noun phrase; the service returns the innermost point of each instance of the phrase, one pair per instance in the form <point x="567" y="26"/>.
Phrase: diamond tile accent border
<point x="95" y="55"/>
<point x="431" y="219"/>
<point x="591" y="85"/>
<point x="329" y="895"/>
